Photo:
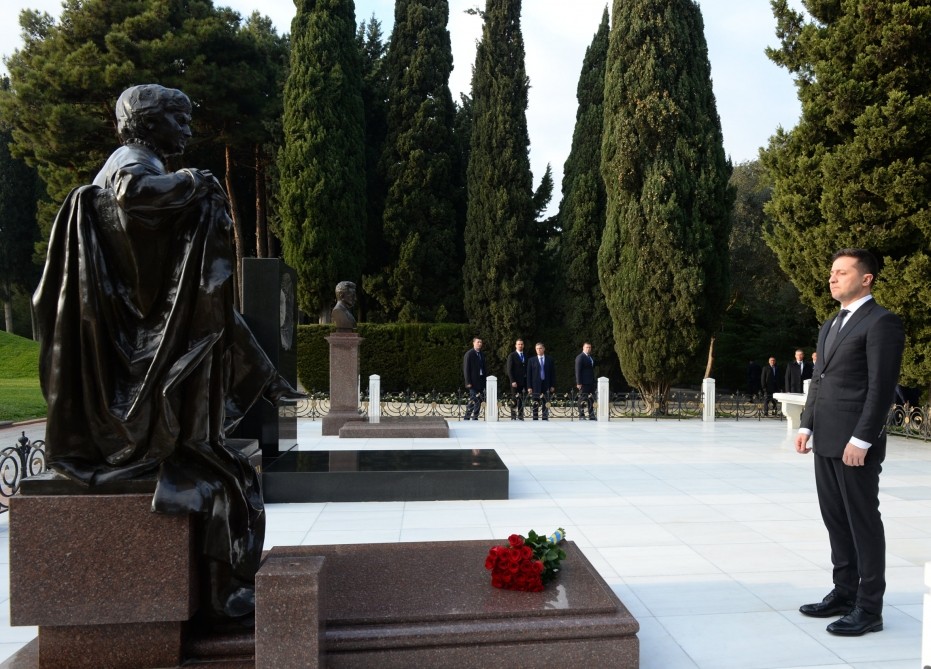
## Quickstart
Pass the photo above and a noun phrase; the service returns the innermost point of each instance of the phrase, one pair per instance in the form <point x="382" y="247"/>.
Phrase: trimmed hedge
<point x="418" y="356"/>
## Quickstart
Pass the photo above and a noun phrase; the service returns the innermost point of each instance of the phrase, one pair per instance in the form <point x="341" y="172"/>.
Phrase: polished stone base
<point x="406" y="427"/>
<point x="385" y="476"/>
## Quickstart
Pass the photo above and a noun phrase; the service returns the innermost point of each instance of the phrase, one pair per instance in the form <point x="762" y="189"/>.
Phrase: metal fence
<point x="26" y="458"/>
<point x="681" y="404"/>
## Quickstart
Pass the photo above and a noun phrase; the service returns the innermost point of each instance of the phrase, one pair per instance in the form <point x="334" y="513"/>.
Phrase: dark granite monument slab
<point x="385" y="476"/>
<point x="431" y="604"/>
<point x="269" y="308"/>
<point x="404" y="427"/>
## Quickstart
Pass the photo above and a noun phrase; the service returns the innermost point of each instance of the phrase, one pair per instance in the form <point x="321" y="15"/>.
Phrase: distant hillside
<point x="19" y="357"/>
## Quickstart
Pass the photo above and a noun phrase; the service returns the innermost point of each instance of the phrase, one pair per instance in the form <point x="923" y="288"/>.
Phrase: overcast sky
<point x="754" y="97"/>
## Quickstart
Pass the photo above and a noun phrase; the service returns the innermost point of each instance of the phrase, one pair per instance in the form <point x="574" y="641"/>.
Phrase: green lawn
<point x="20" y="395"/>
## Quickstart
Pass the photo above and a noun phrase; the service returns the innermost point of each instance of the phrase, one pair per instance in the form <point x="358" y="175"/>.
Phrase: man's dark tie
<point x="542" y="373"/>
<point x="835" y="328"/>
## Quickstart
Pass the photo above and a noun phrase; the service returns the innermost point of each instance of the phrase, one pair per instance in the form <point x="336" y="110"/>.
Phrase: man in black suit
<point x="797" y="373"/>
<point x="473" y="371"/>
<point x="541" y="378"/>
<point x="769" y="380"/>
<point x="585" y="381"/>
<point x="860" y="352"/>
<point x="517" y="373"/>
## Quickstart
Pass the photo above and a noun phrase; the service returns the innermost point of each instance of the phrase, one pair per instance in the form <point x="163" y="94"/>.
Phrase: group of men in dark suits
<point x="796" y="373"/>
<point x="531" y="375"/>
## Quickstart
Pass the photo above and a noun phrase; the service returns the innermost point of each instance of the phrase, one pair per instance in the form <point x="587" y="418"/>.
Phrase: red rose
<point x="538" y="566"/>
<point x="516" y="540"/>
<point x="526" y="552"/>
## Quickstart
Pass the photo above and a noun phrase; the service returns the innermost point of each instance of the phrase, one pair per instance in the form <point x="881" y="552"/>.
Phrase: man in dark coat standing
<point x="517" y="374"/>
<point x="860" y="353"/>
<point x="797" y="373"/>
<point x="769" y="380"/>
<point x="473" y="371"/>
<point x="541" y="378"/>
<point x="585" y="381"/>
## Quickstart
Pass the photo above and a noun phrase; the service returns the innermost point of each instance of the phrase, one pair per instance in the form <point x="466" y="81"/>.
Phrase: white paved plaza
<point x="709" y="533"/>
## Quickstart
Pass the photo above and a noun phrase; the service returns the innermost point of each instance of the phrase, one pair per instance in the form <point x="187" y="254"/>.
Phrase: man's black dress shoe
<point x="832" y="605"/>
<point x="856" y="623"/>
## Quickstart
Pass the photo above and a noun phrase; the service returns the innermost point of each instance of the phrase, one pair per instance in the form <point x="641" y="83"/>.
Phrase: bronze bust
<point x="345" y="300"/>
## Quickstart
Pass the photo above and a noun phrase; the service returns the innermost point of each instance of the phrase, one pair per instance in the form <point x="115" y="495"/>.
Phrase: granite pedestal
<point x="123" y="607"/>
<point x="344" y="382"/>
<point x="385" y="476"/>
<point x="109" y="583"/>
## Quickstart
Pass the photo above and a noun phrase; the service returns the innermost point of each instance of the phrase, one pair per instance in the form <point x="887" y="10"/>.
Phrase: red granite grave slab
<point x="431" y="604"/>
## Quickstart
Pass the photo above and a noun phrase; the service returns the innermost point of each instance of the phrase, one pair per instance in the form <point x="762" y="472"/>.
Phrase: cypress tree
<point x="582" y="211"/>
<point x="322" y="161"/>
<point x="499" y="272"/>
<point x="373" y="48"/>
<point x="856" y="170"/>
<point x="419" y="164"/>
<point x="663" y="259"/>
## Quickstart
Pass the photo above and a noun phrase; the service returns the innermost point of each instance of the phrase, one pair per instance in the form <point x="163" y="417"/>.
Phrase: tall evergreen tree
<point x="18" y="229"/>
<point x="764" y="315"/>
<point x="663" y="259"/>
<point x="856" y="170"/>
<point x="373" y="48"/>
<point x="582" y="211"/>
<point x="322" y="162"/>
<point x="498" y="274"/>
<point x="419" y="163"/>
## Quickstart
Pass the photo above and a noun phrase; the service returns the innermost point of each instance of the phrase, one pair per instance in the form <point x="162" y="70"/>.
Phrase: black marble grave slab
<point x="385" y="476"/>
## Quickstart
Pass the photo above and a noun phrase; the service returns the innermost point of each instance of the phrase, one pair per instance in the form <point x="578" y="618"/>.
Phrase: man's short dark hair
<point x="866" y="261"/>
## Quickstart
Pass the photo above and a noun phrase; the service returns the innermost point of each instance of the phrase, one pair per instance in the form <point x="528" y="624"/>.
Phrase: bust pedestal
<point x="344" y="382"/>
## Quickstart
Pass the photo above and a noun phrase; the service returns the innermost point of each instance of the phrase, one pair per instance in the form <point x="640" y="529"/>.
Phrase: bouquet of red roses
<point x="526" y="563"/>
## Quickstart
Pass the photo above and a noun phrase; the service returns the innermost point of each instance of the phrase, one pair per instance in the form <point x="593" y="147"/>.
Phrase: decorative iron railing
<point x="910" y="422"/>
<point x="904" y="420"/>
<point x="681" y="404"/>
<point x="27" y="458"/>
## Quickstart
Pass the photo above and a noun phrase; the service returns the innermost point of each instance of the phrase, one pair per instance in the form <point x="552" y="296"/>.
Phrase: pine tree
<point x="498" y="274"/>
<point x="419" y="164"/>
<point x="663" y="258"/>
<point x="322" y="162"/>
<point x="856" y="170"/>
<point x="582" y="211"/>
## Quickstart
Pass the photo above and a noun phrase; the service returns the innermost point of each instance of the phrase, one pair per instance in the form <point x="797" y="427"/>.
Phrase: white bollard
<point x="491" y="399"/>
<point x="374" y="398"/>
<point x="926" y="622"/>
<point x="707" y="391"/>
<point x="805" y="384"/>
<point x="603" y="410"/>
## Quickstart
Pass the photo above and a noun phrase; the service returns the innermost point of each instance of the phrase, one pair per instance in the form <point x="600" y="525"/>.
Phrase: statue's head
<point x="346" y="293"/>
<point x="155" y="115"/>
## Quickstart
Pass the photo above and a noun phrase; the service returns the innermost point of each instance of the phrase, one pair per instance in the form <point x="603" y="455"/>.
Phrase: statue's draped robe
<point x="144" y="361"/>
